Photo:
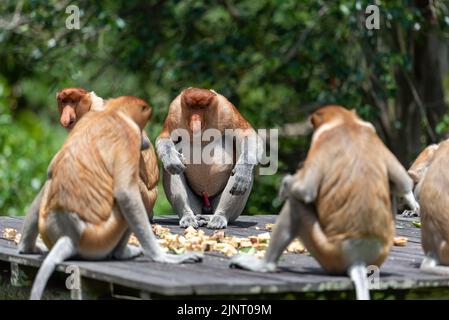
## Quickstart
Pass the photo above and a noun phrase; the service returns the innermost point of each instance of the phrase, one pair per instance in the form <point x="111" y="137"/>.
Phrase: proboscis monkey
<point x="217" y="186"/>
<point x="339" y="203"/>
<point x="92" y="196"/>
<point x="417" y="171"/>
<point x="74" y="103"/>
<point x="432" y="182"/>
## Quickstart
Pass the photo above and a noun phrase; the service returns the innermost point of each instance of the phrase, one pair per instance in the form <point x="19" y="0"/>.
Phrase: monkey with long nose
<point x="339" y="203"/>
<point x="221" y="185"/>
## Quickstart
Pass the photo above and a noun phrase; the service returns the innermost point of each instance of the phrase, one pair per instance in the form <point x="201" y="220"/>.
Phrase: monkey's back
<point x="82" y="180"/>
<point x="354" y="196"/>
<point x="434" y="201"/>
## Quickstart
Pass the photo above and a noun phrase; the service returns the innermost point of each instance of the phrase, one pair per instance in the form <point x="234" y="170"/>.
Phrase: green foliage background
<point x="274" y="59"/>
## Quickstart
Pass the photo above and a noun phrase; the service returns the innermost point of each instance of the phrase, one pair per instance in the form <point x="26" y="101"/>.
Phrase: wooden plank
<point x="299" y="272"/>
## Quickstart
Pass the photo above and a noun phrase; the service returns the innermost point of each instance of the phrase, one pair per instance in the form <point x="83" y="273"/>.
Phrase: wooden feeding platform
<point x="300" y="275"/>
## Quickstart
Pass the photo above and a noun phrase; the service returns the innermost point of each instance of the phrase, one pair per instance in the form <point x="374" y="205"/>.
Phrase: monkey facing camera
<point x="213" y="193"/>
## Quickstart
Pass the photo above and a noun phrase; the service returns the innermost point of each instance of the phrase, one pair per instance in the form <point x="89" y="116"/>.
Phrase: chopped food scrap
<point x="296" y="247"/>
<point x="196" y="240"/>
<point x="416" y="224"/>
<point x="11" y="234"/>
<point x="400" y="241"/>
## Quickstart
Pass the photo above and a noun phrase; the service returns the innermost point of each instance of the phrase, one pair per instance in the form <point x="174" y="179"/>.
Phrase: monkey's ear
<point x="85" y="103"/>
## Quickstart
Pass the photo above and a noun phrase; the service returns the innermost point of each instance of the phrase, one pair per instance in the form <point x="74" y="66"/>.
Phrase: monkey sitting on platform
<point x="338" y="203"/>
<point x="221" y="185"/>
<point x="91" y="200"/>
<point x="431" y="184"/>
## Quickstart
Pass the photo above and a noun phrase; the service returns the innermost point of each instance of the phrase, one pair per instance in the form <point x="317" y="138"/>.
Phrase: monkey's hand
<point x="188" y="220"/>
<point x="189" y="257"/>
<point x="411" y="202"/>
<point x="242" y="178"/>
<point x="250" y="262"/>
<point x="173" y="162"/>
<point x="285" y="187"/>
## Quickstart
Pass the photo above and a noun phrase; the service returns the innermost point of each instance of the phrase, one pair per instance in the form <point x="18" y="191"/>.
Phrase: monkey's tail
<point x="357" y="273"/>
<point x="62" y="250"/>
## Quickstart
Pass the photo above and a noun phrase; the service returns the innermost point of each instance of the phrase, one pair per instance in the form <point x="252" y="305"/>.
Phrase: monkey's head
<point x="73" y="103"/>
<point x="197" y="106"/>
<point x="137" y="109"/>
<point x="331" y="113"/>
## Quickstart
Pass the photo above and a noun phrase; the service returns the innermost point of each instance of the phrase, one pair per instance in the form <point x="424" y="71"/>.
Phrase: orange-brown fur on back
<point x="353" y="199"/>
<point x="422" y="162"/>
<point x="149" y="171"/>
<point x="83" y="177"/>
<point x="434" y="203"/>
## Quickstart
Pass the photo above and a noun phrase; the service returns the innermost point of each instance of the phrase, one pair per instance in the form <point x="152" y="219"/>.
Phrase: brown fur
<point x="84" y="173"/>
<point x="213" y="111"/>
<point x="432" y="196"/>
<point x="422" y="162"/>
<point x="80" y="104"/>
<point x="353" y="199"/>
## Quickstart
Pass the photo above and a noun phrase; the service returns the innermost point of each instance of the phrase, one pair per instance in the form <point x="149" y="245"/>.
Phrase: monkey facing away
<point x="221" y="185"/>
<point x="338" y="203"/>
<point x="91" y="201"/>
<point x="74" y="103"/>
<point x="432" y="182"/>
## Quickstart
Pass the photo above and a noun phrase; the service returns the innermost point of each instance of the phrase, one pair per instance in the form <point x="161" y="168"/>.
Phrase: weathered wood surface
<point x="299" y="272"/>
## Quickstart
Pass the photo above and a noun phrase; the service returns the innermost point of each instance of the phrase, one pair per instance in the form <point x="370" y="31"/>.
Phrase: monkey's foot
<point x="217" y="222"/>
<point x="189" y="257"/>
<point x="188" y="220"/>
<point x="250" y="262"/>
<point x="202" y="220"/>
<point x="39" y="248"/>
<point x="128" y="252"/>
<point x="410" y="213"/>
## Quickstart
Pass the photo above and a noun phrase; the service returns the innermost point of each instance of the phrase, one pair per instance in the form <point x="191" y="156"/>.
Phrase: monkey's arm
<point x="126" y="193"/>
<point x="251" y="150"/>
<point x="30" y="229"/>
<point x="166" y="150"/>
<point x="306" y="182"/>
<point x="401" y="182"/>
<point x="132" y="208"/>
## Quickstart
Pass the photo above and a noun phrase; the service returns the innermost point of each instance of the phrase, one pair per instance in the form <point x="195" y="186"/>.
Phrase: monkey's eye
<point x="143" y="107"/>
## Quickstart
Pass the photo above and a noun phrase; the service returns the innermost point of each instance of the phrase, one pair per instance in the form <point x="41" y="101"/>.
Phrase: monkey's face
<point x="197" y="106"/>
<point x="73" y="103"/>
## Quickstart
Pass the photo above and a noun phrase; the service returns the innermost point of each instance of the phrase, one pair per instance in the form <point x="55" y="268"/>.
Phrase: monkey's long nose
<point x="68" y="117"/>
<point x="195" y="123"/>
